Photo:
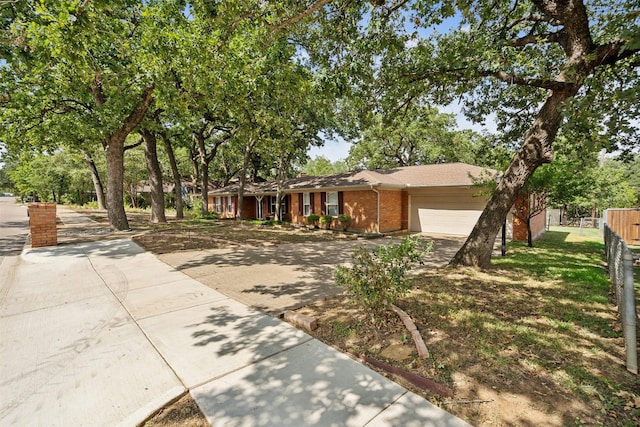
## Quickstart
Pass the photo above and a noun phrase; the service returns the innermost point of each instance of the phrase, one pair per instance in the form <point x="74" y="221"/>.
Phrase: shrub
<point x="325" y="221"/>
<point x="67" y="199"/>
<point x="91" y="205"/>
<point x="345" y="221"/>
<point x="196" y="210"/>
<point x="378" y="278"/>
<point x="313" y="219"/>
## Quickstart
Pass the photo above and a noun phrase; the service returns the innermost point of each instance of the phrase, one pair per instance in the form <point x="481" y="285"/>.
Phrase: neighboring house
<point x="438" y="198"/>
<point x="143" y="189"/>
<point x="533" y="207"/>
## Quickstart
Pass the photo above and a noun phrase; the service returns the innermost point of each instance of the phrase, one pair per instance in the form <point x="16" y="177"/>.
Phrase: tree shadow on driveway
<point x="282" y="277"/>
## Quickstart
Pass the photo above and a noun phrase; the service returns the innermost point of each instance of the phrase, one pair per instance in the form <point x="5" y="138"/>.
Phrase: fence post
<point x="630" y="314"/>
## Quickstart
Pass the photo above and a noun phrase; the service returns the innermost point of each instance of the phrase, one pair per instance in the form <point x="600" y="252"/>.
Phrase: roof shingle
<point x="435" y="175"/>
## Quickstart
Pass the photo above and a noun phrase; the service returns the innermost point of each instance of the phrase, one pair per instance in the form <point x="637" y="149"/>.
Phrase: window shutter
<point x="323" y="203"/>
<point x="300" y="204"/>
<point x="340" y="203"/>
<point x="311" y="200"/>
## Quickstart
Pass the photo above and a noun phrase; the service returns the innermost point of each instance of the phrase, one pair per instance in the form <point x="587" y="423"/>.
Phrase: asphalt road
<point x="14" y="227"/>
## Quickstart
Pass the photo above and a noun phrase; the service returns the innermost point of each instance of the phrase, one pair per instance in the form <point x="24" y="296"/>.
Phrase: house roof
<point x="250" y="188"/>
<point x="435" y="175"/>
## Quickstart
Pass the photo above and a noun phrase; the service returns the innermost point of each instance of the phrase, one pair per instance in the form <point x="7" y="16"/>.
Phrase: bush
<point x="313" y="219"/>
<point x="67" y="199"/>
<point x="196" y="210"/>
<point x="378" y="278"/>
<point x="325" y="221"/>
<point x="345" y="221"/>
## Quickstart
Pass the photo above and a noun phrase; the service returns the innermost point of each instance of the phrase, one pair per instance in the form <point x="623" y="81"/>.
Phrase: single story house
<point x="437" y="198"/>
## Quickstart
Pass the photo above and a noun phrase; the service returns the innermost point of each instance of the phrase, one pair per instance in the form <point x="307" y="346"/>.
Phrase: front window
<point x="332" y="203"/>
<point x="272" y="202"/>
<point x="306" y="210"/>
<point x="218" y="207"/>
<point x="229" y="204"/>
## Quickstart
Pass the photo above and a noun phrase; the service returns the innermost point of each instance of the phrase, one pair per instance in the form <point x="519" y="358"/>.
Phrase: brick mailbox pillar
<point x="42" y="222"/>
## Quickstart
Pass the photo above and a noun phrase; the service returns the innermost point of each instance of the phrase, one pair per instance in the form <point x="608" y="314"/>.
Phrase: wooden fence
<point x="625" y="223"/>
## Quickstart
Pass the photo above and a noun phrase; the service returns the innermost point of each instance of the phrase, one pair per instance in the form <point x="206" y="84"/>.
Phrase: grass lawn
<point x="577" y="234"/>
<point x="536" y="339"/>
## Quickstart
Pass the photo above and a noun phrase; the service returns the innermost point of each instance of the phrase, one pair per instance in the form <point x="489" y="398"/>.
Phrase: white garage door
<point x="445" y="210"/>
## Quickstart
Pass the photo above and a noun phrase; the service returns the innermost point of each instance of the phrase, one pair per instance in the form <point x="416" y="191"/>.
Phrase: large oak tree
<point x="73" y="74"/>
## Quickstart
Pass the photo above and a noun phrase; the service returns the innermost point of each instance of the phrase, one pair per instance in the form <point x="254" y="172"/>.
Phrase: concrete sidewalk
<point x="102" y="333"/>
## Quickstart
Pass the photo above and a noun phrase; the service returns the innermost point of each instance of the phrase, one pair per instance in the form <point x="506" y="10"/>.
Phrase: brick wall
<point x="294" y="208"/>
<point x="390" y="210"/>
<point x="248" y="203"/>
<point x="362" y="207"/>
<point x="404" y="219"/>
<point x="42" y="223"/>
<point x="538" y="222"/>
<point x="519" y="230"/>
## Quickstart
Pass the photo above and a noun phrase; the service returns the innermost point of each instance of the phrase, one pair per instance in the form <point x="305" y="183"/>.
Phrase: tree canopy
<point x="538" y="66"/>
<point x="419" y="136"/>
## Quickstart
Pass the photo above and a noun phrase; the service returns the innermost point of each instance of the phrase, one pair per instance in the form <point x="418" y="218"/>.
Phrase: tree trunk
<point x="284" y="163"/>
<point x="536" y="150"/>
<point x="529" y="236"/>
<point x="177" y="180"/>
<point x="95" y="177"/>
<point x="279" y="188"/>
<point x="155" y="177"/>
<point x="114" y="153"/>
<point x="195" y="168"/>
<point x="204" y="174"/>
<point x="243" y="176"/>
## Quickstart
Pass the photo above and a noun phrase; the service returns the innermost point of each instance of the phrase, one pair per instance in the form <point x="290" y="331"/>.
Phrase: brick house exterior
<point x="439" y="198"/>
<point x="538" y="222"/>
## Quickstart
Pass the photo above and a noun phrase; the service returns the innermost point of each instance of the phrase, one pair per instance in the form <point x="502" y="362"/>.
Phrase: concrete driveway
<point x="277" y="278"/>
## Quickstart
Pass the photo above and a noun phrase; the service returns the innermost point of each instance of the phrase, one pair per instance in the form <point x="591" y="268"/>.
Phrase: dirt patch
<point x="193" y="234"/>
<point x="499" y="347"/>
<point x="183" y="412"/>
<point x="507" y="360"/>
<point x="228" y="234"/>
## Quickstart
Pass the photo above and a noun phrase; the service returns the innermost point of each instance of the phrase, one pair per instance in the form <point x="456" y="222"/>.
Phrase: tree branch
<point x="500" y="75"/>
<point x="526" y="81"/>
<point x="73" y="101"/>
<point x="610" y="53"/>
<point x="533" y="38"/>
<point x="137" y="144"/>
<point x="96" y="90"/>
<point x="139" y="111"/>
<point x="391" y="9"/>
<point x="298" y="17"/>
<point x="82" y="7"/>
<point x="535" y="18"/>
